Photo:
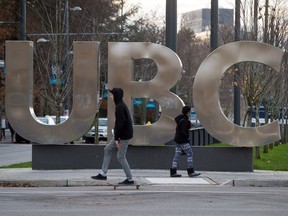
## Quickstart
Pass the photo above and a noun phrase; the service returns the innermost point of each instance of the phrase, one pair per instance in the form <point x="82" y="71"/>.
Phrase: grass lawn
<point x="276" y="159"/>
<point x="19" y="165"/>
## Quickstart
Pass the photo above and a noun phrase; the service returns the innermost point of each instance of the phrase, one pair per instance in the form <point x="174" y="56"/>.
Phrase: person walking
<point x="123" y="132"/>
<point x="12" y="132"/>
<point x="182" y="140"/>
<point x="3" y="127"/>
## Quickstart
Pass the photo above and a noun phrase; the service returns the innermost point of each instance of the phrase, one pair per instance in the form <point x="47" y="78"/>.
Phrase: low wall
<point x="89" y="156"/>
<point x="200" y="137"/>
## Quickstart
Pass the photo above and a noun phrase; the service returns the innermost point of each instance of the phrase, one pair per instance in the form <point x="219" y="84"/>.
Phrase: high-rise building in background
<point x="200" y="22"/>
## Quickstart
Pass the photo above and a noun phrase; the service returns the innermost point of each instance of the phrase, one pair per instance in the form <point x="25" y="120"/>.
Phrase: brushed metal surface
<point x="206" y="96"/>
<point x="19" y="93"/>
<point x="120" y="66"/>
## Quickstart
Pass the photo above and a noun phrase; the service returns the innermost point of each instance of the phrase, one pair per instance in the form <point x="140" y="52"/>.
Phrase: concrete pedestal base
<point x="84" y="156"/>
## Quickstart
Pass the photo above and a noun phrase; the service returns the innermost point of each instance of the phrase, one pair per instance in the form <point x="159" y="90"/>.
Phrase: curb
<point x="54" y="183"/>
<point x="79" y="183"/>
<point x="34" y="183"/>
<point x="256" y="183"/>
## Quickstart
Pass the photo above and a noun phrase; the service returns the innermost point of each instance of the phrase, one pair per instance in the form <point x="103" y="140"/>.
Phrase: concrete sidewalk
<point x="65" y="178"/>
<point x="13" y="153"/>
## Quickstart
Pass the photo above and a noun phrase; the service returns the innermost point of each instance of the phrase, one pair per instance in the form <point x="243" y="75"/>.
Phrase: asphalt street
<point x="150" y="200"/>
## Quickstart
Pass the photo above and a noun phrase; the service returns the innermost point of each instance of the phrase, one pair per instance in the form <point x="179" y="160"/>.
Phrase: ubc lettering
<point x="206" y="97"/>
<point x="19" y="87"/>
<point x="19" y="93"/>
<point x="169" y="72"/>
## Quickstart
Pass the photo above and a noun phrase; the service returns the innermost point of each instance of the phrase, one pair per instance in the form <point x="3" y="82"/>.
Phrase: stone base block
<point x="85" y="156"/>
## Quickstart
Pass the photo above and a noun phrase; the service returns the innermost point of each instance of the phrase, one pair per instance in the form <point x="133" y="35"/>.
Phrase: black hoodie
<point x="182" y="129"/>
<point x="123" y="128"/>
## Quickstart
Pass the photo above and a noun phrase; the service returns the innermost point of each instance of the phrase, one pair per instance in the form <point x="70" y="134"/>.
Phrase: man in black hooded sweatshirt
<point x="182" y="140"/>
<point x="123" y="132"/>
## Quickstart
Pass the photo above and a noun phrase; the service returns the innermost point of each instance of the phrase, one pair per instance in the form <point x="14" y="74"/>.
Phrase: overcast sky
<point x="182" y="5"/>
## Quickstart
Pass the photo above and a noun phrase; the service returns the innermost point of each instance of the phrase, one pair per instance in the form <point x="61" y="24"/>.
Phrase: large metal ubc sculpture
<point x="19" y="88"/>
<point x="169" y="66"/>
<point x="19" y="94"/>
<point x="206" y="97"/>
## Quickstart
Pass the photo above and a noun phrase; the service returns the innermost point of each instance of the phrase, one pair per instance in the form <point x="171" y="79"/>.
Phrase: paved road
<point x="11" y="153"/>
<point x="150" y="200"/>
<point x="15" y="153"/>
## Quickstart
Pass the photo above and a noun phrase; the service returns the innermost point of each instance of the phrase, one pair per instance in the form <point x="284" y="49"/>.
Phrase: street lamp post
<point x="67" y="52"/>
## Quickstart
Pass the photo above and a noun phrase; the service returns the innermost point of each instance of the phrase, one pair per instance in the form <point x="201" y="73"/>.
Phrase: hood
<point x="179" y="117"/>
<point x="117" y="94"/>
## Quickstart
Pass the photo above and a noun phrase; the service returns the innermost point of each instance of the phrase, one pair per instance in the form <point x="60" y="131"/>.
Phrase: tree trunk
<point x="96" y="122"/>
<point x="257" y="152"/>
<point x="265" y="148"/>
<point x="271" y="146"/>
<point x="285" y="133"/>
<point x="96" y="125"/>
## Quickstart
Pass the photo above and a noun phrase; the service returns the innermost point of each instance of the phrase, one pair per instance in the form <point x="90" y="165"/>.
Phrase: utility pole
<point x="171" y="27"/>
<point x="22" y="18"/>
<point x="66" y="58"/>
<point x="236" y="87"/>
<point x="214" y="25"/>
<point x="266" y="21"/>
<point x="256" y="6"/>
<point x="171" y="24"/>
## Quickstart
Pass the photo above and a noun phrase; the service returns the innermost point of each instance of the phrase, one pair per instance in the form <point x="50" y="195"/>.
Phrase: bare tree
<point x="8" y="31"/>
<point x="48" y="24"/>
<point x="260" y="85"/>
<point x="145" y="30"/>
<point x="192" y="51"/>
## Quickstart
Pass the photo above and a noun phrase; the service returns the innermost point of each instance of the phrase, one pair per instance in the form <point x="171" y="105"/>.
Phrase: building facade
<point x="200" y="20"/>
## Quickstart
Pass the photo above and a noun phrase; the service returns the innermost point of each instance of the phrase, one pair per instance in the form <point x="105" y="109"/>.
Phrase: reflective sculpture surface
<point x="19" y="93"/>
<point x="120" y="66"/>
<point x="206" y="96"/>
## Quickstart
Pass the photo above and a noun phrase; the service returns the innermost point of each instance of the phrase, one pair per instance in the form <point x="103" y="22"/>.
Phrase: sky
<point x="182" y="5"/>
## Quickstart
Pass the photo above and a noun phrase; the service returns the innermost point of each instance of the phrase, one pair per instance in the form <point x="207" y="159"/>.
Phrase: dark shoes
<point x="173" y="173"/>
<point x="192" y="173"/>
<point x="126" y="182"/>
<point x="99" y="177"/>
